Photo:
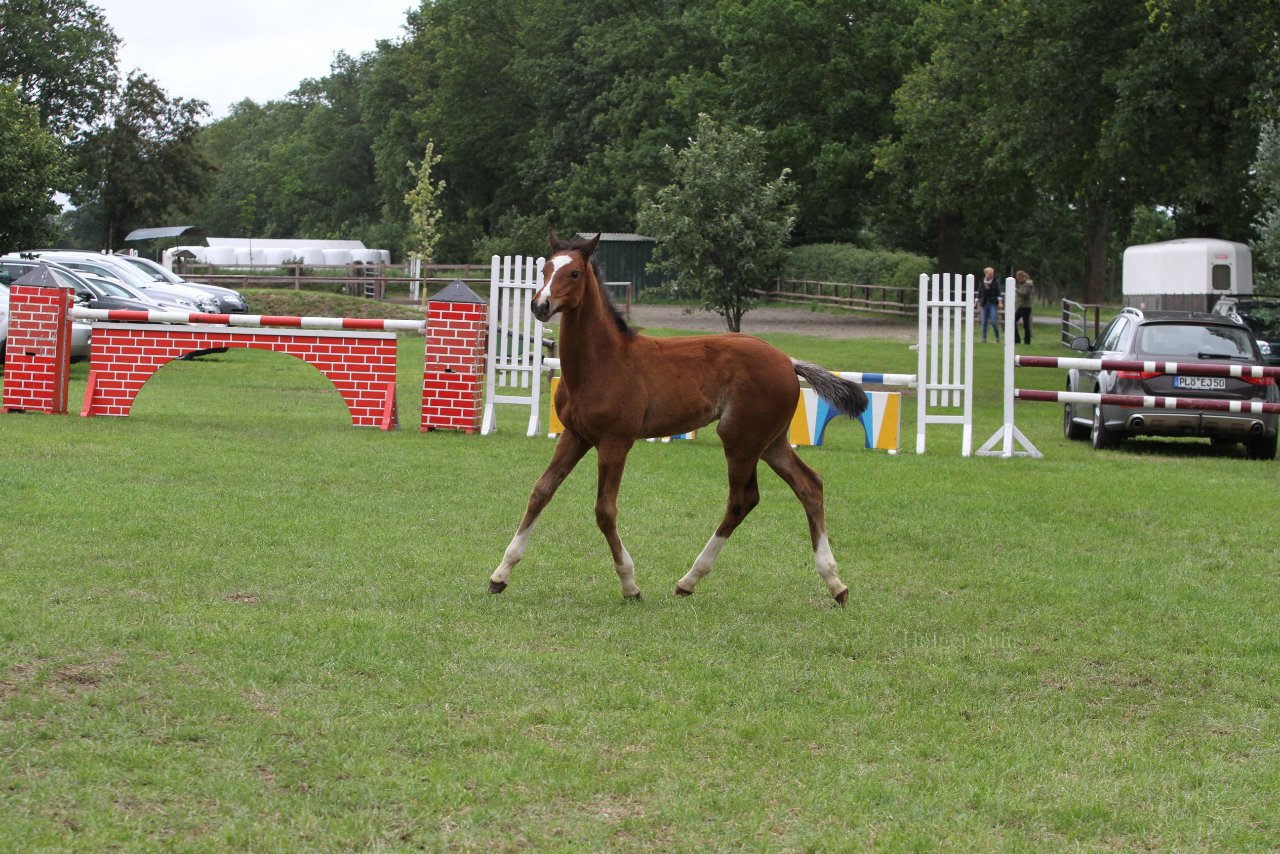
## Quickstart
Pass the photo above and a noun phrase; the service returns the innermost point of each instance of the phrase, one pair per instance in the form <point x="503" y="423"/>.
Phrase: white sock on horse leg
<point x="511" y="556"/>
<point x="826" y="563"/>
<point x="627" y="575"/>
<point x="705" y="561"/>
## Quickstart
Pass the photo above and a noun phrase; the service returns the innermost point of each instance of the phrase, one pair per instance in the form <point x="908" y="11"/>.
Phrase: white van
<point x="1185" y="275"/>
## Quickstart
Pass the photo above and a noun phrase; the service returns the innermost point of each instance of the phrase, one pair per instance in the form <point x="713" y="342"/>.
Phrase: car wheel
<point x="1070" y="429"/>
<point x="1261" y="449"/>
<point x="1100" y="437"/>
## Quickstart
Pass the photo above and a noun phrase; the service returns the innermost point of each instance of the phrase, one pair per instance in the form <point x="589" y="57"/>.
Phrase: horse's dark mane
<point x="618" y="318"/>
<point x="598" y="272"/>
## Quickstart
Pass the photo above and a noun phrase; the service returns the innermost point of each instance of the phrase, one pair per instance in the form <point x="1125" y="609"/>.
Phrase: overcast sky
<point x="225" y="51"/>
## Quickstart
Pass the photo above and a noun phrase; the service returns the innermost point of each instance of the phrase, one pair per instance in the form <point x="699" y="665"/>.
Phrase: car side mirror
<point x="84" y="298"/>
<point x="1081" y="343"/>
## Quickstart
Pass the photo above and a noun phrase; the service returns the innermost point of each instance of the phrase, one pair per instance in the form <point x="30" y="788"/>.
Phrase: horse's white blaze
<point x="627" y="574"/>
<point x="826" y="563"/>
<point x="704" y="562"/>
<point x="511" y="556"/>
<point x="558" y="263"/>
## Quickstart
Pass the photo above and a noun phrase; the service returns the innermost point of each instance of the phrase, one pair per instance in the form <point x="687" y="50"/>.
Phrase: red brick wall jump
<point x="453" y="374"/>
<point x="38" y="351"/>
<point x="361" y="365"/>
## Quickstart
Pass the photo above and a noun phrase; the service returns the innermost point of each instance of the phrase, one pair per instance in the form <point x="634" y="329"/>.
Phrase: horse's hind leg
<point x="613" y="459"/>
<point x="569" y="450"/>
<point x="744" y="495"/>
<point x="807" y="485"/>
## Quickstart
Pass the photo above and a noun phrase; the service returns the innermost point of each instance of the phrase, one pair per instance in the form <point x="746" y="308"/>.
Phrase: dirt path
<point x="766" y="319"/>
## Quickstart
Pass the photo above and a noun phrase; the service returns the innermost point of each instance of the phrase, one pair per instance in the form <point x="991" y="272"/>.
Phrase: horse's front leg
<point x="570" y="448"/>
<point x="613" y="459"/>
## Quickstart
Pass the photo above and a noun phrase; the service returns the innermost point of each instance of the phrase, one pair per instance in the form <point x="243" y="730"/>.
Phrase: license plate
<point x="1200" y="383"/>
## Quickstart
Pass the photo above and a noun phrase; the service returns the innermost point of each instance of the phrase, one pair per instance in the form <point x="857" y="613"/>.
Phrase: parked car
<point x="12" y="269"/>
<point x="103" y="293"/>
<point x="1261" y="315"/>
<point x="1172" y="336"/>
<point x="111" y="267"/>
<point x="229" y="301"/>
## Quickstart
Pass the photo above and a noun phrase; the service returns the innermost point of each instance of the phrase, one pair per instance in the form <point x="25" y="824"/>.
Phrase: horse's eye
<point x="575" y="274"/>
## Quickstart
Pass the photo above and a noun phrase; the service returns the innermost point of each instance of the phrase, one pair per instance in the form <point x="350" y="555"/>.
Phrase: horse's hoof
<point x="842" y="596"/>
<point x="497" y="586"/>
<point x="680" y="591"/>
<point x="634" y="597"/>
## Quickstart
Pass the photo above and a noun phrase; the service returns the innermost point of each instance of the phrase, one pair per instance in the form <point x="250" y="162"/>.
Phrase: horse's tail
<point x="846" y="396"/>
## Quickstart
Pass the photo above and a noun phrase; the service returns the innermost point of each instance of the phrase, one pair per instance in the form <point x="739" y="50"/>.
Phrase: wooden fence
<point x="368" y="280"/>
<point x="880" y="299"/>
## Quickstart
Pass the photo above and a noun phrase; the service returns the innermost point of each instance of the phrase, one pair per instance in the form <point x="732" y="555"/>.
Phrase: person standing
<point x="989" y="299"/>
<point x="1024" y="298"/>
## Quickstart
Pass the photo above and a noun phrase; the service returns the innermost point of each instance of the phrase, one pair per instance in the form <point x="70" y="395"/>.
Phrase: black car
<point x="1159" y="336"/>
<point x="1261" y="315"/>
<point x="97" y="292"/>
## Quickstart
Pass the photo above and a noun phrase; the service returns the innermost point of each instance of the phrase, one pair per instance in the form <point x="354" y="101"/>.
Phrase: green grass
<point x="320" y="304"/>
<point x="233" y="621"/>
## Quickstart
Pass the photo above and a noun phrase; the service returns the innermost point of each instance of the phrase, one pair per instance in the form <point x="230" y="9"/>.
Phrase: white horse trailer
<point x="1185" y="275"/>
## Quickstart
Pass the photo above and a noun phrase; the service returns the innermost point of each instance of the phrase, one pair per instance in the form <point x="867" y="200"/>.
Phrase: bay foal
<point x="617" y="386"/>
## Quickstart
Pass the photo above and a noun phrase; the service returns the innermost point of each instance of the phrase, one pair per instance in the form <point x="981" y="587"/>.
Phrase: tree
<point x="61" y="57"/>
<point x="139" y="164"/>
<point x="31" y="168"/>
<point x="1266" y="247"/>
<point x="823" y="116"/>
<point x="1192" y="96"/>
<point x="424" y="206"/>
<point x="722" y="225"/>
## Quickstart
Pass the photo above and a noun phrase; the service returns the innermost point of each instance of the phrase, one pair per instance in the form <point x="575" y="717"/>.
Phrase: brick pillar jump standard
<point x="453" y="373"/>
<point x="38" y="354"/>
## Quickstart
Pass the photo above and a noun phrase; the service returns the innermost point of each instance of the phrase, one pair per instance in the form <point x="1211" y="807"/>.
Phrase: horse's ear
<point x="589" y="248"/>
<point x="556" y="243"/>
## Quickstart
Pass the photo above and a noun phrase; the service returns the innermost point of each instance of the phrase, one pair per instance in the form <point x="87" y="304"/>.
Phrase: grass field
<point x="233" y="621"/>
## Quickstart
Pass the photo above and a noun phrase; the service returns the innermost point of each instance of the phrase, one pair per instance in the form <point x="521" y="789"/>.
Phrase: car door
<point x="1112" y="345"/>
<point x="1106" y="347"/>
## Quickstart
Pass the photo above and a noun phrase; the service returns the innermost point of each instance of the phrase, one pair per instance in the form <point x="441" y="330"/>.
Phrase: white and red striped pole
<point x="248" y="320"/>
<point x="1252" y="407"/>
<point x="1194" y="369"/>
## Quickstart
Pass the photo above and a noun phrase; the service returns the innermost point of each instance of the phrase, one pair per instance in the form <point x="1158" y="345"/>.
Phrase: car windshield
<point x="152" y="271"/>
<point x="1197" y="341"/>
<point x="115" y="289"/>
<point x="66" y="279"/>
<point x="122" y="272"/>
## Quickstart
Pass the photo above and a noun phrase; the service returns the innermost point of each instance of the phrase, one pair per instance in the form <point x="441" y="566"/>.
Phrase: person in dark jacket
<point x="1024" y="300"/>
<point x="989" y="299"/>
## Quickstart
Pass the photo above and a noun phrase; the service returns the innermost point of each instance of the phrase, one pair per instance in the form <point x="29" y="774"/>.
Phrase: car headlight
<point x="1265" y="347"/>
<point x="185" y="304"/>
<point x="209" y="304"/>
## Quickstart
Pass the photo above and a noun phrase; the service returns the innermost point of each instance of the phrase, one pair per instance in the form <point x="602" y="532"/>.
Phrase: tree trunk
<point x="950" y="243"/>
<point x="1097" y="230"/>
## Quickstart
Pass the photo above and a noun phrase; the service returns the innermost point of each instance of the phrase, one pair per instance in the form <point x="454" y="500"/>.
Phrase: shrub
<point x="844" y="262"/>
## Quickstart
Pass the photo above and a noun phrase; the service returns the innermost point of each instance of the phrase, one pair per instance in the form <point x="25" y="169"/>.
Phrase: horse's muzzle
<point x="541" y="310"/>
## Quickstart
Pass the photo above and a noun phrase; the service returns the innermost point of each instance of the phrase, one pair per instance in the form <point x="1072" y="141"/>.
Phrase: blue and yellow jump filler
<point x="881" y="419"/>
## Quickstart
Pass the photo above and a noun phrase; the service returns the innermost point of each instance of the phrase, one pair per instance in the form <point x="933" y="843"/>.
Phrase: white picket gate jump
<point x="515" y="340"/>
<point x="945" y="358"/>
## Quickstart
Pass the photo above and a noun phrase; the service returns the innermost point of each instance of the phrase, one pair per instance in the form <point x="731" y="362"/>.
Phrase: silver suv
<point x="1173" y="336"/>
